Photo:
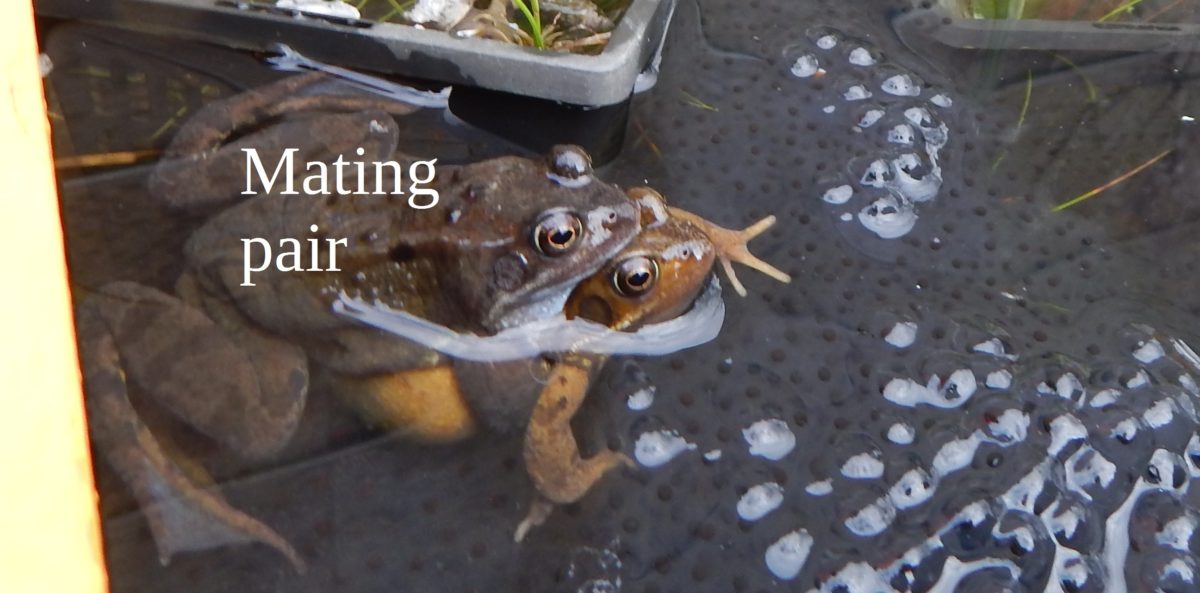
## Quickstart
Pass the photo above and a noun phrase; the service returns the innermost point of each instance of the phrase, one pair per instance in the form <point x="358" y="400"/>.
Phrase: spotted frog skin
<point x="508" y="240"/>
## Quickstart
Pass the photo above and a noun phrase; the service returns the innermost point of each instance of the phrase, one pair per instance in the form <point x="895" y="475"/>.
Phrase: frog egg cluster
<point x="893" y="106"/>
<point x="1070" y="519"/>
<point x="1053" y="479"/>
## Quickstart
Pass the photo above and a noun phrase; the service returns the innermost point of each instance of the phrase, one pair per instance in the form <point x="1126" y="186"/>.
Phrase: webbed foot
<point x="184" y="510"/>
<point x="731" y="245"/>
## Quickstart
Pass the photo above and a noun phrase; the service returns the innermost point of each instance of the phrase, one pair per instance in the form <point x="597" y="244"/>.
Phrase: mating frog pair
<point x="512" y="240"/>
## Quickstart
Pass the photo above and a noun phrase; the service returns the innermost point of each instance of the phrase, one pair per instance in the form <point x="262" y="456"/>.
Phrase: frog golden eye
<point x="635" y="276"/>
<point x="556" y="234"/>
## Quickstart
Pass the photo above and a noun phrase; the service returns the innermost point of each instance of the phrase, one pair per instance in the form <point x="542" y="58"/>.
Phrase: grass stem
<point x="1123" y="177"/>
<point x="1124" y="7"/>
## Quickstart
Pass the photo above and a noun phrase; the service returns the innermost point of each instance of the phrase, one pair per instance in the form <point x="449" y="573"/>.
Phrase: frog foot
<point x="731" y="245"/>
<point x="182" y="515"/>
<point x="133" y="334"/>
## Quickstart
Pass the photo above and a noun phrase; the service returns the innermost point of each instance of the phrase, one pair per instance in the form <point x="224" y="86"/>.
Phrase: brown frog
<point x="508" y="240"/>
<point x="655" y="278"/>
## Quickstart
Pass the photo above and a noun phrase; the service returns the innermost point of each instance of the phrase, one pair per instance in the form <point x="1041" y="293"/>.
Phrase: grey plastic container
<point x="604" y="79"/>
<point x="944" y="24"/>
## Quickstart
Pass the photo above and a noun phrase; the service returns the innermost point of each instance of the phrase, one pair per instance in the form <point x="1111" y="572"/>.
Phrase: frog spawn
<point x="1069" y="519"/>
<point x="1081" y="511"/>
<point x="897" y="110"/>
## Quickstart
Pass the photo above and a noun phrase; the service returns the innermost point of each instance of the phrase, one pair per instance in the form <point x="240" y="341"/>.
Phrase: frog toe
<point x="567" y="483"/>
<point x="194" y="519"/>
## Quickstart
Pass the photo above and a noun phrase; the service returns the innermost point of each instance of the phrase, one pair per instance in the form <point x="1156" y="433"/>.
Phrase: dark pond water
<point x="961" y="389"/>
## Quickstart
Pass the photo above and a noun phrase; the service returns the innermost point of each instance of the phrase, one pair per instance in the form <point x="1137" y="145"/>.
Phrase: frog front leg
<point x="560" y="474"/>
<point x="133" y="335"/>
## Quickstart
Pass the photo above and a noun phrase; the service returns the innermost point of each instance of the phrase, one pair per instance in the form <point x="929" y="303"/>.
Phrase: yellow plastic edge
<point x="49" y="530"/>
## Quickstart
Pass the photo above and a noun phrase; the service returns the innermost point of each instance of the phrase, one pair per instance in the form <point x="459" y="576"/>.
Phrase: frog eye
<point x="635" y="276"/>
<point x="557" y="233"/>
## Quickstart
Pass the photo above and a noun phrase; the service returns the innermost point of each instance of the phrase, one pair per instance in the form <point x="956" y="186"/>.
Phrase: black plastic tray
<point x="604" y="79"/>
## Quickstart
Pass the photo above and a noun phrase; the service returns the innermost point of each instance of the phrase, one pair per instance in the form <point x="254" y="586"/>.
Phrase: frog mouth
<point x="697" y="326"/>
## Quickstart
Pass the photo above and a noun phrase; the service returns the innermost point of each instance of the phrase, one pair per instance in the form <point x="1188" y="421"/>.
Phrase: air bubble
<point x="1065" y="429"/>
<point x="1068" y="387"/>
<point x="641" y="399"/>
<point x="787" y="556"/>
<point x="861" y="56"/>
<point x="1009" y="427"/>
<point x="1149" y="351"/>
<point x="656" y="448"/>
<point x="864" y="466"/>
<point x="838" y="195"/>
<point x="901" y="434"/>
<point x="770" y="438"/>
<point x="878" y="174"/>
<point x="901" y="134"/>
<point x="993" y="346"/>
<point x="806" y="66"/>
<point x="760" y="500"/>
<point x="1105" y="397"/>
<point x="1088" y="468"/>
<point x="914" y="179"/>
<point x="1000" y="379"/>
<point x="1141" y="379"/>
<point x="902" y="335"/>
<point x="913" y="488"/>
<point x="1160" y="414"/>
<point x="872" y="519"/>
<point x="1177" y="533"/>
<point x="901" y="85"/>
<point x="955" y="455"/>
<point x="857" y="92"/>
<point x="869" y="118"/>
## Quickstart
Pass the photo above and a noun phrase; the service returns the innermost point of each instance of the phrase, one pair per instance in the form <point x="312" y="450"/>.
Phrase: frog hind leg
<point x="183" y="516"/>
<point x="560" y="474"/>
